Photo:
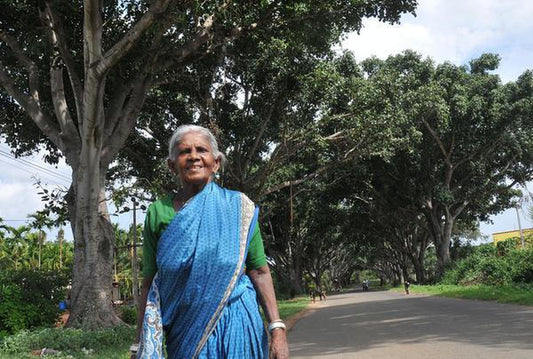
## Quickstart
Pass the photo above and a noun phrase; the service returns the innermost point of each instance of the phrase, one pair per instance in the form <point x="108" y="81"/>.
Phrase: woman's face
<point x="194" y="162"/>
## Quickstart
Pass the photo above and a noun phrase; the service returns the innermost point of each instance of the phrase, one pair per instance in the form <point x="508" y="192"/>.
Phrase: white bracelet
<point x="134" y="348"/>
<point x="276" y="324"/>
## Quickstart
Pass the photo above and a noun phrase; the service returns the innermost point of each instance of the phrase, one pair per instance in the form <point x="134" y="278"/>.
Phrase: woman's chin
<point x="196" y="180"/>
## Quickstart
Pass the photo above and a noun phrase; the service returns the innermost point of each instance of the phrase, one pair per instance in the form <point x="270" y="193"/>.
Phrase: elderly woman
<point x="205" y="266"/>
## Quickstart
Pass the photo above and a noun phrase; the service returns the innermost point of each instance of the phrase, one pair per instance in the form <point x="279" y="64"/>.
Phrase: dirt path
<point x="392" y="325"/>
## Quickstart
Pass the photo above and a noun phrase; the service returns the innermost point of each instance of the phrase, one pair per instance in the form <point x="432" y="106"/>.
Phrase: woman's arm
<point x="262" y="281"/>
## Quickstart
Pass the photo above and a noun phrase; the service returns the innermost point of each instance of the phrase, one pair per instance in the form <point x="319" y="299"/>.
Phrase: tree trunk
<point x="443" y="247"/>
<point x="418" y="264"/>
<point x="94" y="238"/>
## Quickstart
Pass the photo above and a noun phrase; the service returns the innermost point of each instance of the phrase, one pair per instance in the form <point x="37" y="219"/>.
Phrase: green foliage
<point x="505" y="264"/>
<point x="29" y="299"/>
<point x="128" y="315"/>
<point x="288" y="308"/>
<point x="522" y="265"/>
<point x="505" y="247"/>
<point x="69" y="341"/>
<point x="20" y="248"/>
<point x="518" y="294"/>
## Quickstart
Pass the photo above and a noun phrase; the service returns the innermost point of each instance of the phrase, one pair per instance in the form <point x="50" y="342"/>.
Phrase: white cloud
<point x="455" y="31"/>
<point x="18" y="193"/>
<point x="19" y="199"/>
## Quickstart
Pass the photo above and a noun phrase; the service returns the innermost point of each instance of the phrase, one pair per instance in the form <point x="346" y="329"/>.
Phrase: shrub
<point x="29" y="299"/>
<point x="494" y="271"/>
<point x="491" y="265"/>
<point x="128" y="315"/>
<point x="507" y="246"/>
<point x="522" y="265"/>
<point x="66" y="340"/>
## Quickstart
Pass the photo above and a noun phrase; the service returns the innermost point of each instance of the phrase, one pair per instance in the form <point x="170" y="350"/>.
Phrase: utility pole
<point x="60" y="235"/>
<point x="134" y="262"/>
<point x="519" y="225"/>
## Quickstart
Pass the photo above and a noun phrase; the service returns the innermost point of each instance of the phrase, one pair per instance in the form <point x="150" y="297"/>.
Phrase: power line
<point x="32" y="172"/>
<point x="32" y="164"/>
<point x="35" y="167"/>
<point x="7" y="152"/>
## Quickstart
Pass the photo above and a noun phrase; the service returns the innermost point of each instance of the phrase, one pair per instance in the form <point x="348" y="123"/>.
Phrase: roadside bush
<point x="494" y="271"/>
<point x="507" y="246"/>
<point x="29" y="299"/>
<point x="493" y="265"/>
<point x="65" y="340"/>
<point x="128" y="315"/>
<point x="522" y="265"/>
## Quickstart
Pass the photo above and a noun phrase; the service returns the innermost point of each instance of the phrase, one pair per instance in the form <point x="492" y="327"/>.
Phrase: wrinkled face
<point x="194" y="162"/>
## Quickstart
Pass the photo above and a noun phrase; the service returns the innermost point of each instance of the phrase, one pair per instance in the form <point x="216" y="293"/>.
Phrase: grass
<point x="290" y="307"/>
<point x="72" y="343"/>
<point x="503" y="294"/>
<point x="109" y="343"/>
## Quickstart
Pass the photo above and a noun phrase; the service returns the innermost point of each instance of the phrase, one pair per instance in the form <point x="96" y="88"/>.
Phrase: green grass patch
<point x="517" y="294"/>
<point x="72" y="343"/>
<point x="106" y="343"/>
<point x="290" y="307"/>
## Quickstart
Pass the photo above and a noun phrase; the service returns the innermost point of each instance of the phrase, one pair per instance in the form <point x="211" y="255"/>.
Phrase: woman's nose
<point x="193" y="155"/>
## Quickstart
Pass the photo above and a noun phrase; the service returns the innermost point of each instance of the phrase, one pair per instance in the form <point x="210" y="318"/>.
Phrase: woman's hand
<point x="279" y="349"/>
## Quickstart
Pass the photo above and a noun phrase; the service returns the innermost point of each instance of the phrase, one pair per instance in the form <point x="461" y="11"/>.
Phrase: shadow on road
<point x="404" y="320"/>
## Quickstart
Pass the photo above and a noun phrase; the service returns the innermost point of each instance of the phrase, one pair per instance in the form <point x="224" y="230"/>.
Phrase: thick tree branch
<point x="115" y="53"/>
<point x="437" y="139"/>
<point x="69" y="133"/>
<point x="57" y="35"/>
<point x="30" y="66"/>
<point x="203" y="35"/>
<point x="126" y="122"/>
<point x="28" y="103"/>
<point x="115" y="108"/>
<point x="92" y="34"/>
<point x="259" y="137"/>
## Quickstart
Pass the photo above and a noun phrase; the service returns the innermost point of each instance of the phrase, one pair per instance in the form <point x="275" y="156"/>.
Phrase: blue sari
<point x="200" y="298"/>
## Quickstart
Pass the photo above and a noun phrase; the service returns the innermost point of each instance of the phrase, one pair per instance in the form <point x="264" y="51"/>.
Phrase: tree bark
<point x="94" y="240"/>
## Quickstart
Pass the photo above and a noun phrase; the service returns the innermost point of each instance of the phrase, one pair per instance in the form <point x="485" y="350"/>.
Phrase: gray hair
<point x="182" y="130"/>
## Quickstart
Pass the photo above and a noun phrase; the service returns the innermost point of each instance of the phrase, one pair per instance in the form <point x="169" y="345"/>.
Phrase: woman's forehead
<point x="194" y="138"/>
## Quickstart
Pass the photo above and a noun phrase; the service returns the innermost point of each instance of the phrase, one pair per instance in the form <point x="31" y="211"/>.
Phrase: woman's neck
<point x="190" y="190"/>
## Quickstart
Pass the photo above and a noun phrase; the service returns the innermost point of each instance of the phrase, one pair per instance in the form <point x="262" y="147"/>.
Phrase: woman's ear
<point x="170" y="165"/>
<point x="216" y="167"/>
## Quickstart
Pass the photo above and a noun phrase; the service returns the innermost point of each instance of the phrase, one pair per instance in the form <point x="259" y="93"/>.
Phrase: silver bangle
<point x="275" y="324"/>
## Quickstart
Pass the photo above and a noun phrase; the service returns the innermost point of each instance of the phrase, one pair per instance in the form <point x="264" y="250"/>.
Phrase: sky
<point x="451" y="30"/>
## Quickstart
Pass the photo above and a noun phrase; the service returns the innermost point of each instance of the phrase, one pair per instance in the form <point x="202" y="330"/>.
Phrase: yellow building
<point x="500" y="236"/>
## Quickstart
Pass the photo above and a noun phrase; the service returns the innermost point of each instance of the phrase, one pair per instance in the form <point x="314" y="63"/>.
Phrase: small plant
<point x="67" y="341"/>
<point x="128" y="315"/>
<point x="29" y="299"/>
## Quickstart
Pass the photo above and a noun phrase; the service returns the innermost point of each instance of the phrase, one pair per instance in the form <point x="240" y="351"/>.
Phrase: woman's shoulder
<point x="162" y="204"/>
<point x="239" y="197"/>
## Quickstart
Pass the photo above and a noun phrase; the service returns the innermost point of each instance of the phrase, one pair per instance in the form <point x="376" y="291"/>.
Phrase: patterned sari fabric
<point x="200" y="297"/>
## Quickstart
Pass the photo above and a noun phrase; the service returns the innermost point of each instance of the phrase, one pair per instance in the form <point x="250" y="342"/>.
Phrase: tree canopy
<point x="81" y="76"/>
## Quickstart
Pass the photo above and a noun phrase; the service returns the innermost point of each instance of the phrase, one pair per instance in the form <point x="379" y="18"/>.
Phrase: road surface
<point x="380" y="324"/>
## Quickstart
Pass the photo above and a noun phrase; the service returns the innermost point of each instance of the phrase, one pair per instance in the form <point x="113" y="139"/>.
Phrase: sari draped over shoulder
<point x="200" y="298"/>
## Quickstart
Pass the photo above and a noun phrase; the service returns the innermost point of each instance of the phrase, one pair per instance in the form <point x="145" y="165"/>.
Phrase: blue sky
<point x="454" y="31"/>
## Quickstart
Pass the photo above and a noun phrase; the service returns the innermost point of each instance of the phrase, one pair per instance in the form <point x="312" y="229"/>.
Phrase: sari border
<point x="247" y="216"/>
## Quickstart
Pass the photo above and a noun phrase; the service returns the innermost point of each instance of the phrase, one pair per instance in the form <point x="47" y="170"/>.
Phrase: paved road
<point x="392" y="325"/>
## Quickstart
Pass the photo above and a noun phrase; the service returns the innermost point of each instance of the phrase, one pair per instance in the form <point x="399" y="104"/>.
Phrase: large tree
<point x="82" y="70"/>
<point x="470" y="140"/>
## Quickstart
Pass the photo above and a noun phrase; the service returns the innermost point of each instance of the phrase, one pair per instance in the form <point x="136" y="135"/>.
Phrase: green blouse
<point x="158" y="217"/>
